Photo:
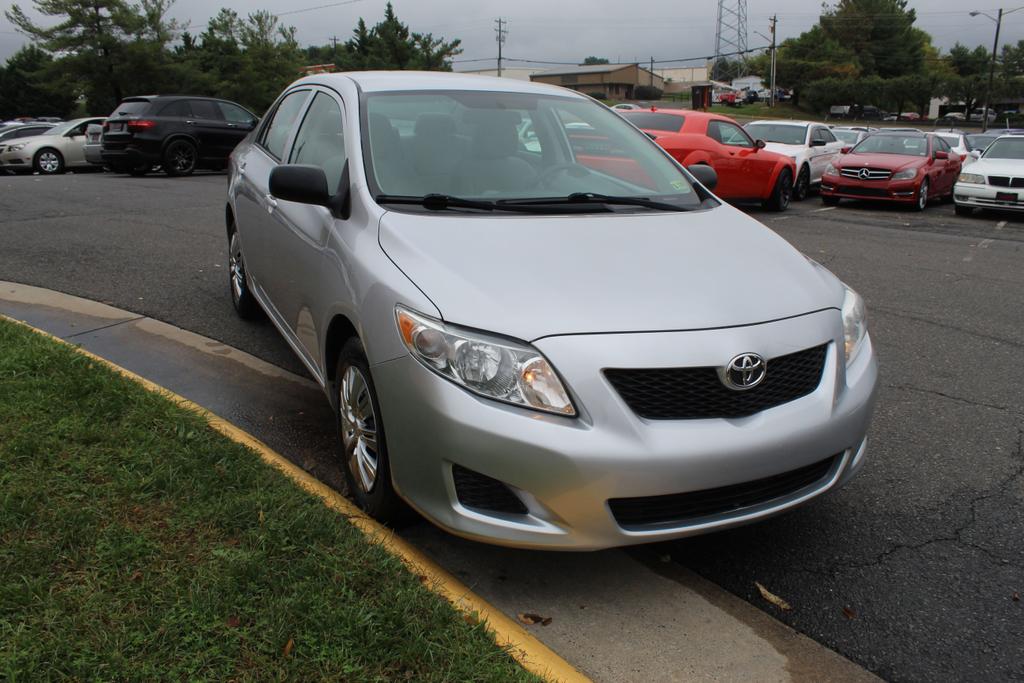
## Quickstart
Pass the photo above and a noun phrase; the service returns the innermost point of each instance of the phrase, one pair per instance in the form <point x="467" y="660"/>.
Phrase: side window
<point x="827" y="135"/>
<point x="321" y="139"/>
<point x="941" y="145"/>
<point x="179" y="108"/>
<point x="235" y="114"/>
<point x="275" y="135"/>
<point x="728" y="134"/>
<point x="204" y="109"/>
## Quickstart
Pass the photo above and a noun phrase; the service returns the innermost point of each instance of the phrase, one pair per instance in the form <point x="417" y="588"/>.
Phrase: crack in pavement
<point x="907" y="316"/>
<point x="958" y="399"/>
<point x="956" y="537"/>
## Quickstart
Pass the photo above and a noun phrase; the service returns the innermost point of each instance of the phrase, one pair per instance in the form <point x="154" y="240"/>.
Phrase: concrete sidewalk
<point x="616" y="615"/>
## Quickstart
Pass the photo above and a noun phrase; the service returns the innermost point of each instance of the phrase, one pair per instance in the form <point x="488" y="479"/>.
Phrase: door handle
<point x="271" y="203"/>
<point x="190" y="123"/>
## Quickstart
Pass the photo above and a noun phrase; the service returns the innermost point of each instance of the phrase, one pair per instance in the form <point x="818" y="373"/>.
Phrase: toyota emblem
<point x="743" y="372"/>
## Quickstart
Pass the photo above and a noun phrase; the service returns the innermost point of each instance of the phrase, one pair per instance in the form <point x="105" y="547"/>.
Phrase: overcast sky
<point x="569" y="30"/>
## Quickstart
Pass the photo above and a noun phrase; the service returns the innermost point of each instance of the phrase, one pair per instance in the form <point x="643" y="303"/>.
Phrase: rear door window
<point x="275" y="135"/>
<point x="179" y="108"/>
<point x="204" y="109"/>
<point x="234" y="114"/>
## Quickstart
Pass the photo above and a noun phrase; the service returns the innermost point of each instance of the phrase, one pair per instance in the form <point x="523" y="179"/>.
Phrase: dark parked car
<point x="178" y="132"/>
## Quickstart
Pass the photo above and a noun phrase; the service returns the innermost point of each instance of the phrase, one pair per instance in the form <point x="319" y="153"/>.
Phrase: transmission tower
<point x="730" y="37"/>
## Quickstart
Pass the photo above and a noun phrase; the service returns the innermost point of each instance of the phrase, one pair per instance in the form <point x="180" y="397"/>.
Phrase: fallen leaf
<point x="849" y="613"/>
<point x="261" y="517"/>
<point x="233" y="621"/>
<point x="422" y="578"/>
<point x="470" y="619"/>
<point x="288" y="647"/>
<point x="531" y="619"/>
<point x="772" y="598"/>
<point x="1016" y="596"/>
<point x="136" y="575"/>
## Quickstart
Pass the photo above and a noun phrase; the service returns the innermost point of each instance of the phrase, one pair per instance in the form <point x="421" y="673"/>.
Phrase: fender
<point x="791" y="165"/>
<point x="178" y="136"/>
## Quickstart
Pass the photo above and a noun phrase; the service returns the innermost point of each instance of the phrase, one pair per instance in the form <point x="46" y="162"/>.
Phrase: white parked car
<point x="958" y="142"/>
<point x="812" y="146"/>
<point x="995" y="181"/>
<point x="849" y="135"/>
<point x="625" y="106"/>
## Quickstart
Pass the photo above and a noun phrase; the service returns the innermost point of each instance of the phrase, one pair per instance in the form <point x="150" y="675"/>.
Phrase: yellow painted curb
<point x="532" y="655"/>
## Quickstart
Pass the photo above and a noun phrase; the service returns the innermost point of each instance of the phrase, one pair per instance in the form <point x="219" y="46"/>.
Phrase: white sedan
<point x="811" y="146"/>
<point x="60" y="148"/>
<point x="958" y="142"/>
<point x="995" y="181"/>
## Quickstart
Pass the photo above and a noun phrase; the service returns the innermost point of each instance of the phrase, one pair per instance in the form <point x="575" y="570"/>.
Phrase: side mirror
<point x="760" y="144"/>
<point x="307" y="184"/>
<point x="942" y="155"/>
<point x="976" y="153"/>
<point x="845" y="150"/>
<point x="817" y="143"/>
<point x="705" y="175"/>
<point x="650" y="135"/>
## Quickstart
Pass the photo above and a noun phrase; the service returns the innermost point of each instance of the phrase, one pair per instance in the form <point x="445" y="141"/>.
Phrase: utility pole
<point x="652" y="71"/>
<point x="991" y="74"/>
<point x="334" y="46"/>
<point x="501" y="30"/>
<point x="771" y="100"/>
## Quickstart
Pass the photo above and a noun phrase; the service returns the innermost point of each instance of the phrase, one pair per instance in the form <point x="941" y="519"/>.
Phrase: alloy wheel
<point x="922" y="195"/>
<point x="49" y="162"/>
<point x="237" y="269"/>
<point x="358" y="428"/>
<point x="183" y="158"/>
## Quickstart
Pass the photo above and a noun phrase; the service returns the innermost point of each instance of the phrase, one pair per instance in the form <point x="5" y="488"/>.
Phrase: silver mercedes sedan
<point x="536" y="328"/>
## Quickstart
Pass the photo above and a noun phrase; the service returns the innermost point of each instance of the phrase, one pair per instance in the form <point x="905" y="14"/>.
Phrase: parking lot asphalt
<point x="910" y="571"/>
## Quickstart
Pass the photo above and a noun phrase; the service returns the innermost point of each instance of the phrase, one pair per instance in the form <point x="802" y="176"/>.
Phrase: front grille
<point x="479" y="491"/>
<point x="679" y="508"/>
<point x="698" y="393"/>
<point x="1005" y="181"/>
<point x="862" y="191"/>
<point x="873" y="173"/>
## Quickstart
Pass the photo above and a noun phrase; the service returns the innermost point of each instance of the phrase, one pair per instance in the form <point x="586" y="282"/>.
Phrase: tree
<point x="23" y="86"/>
<point x="391" y="45"/>
<point x="594" y="60"/>
<point x="880" y="34"/>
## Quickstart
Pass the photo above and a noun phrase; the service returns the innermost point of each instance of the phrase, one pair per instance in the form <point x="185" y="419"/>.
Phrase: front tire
<point x="782" y="193"/>
<point x="362" y="445"/>
<point x="242" y="297"/>
<point x="48" y="162"/>
<point x="180" y="158"/>
<point x="803" y="184"/>
<point x="922" y="196"/>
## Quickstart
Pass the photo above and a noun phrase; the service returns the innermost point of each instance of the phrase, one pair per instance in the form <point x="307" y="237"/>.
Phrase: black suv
<point x="178" y="132"/>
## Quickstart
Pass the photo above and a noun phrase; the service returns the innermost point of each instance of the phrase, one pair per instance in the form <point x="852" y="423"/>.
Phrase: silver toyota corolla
<point x="534" y="326"/>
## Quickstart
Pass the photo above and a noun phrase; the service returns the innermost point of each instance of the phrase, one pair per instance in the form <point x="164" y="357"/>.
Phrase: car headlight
<point x="495" y="368"/>
<point x="855" y="323"/>
<point x="974" y="178"/>
<point x="831" y="170"/>
<point x="908" y="174"/>
<point x="15" y="148"/>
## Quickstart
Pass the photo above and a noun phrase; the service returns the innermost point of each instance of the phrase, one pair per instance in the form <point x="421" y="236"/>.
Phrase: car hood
<point x="788" y="150"/>
<point x="1010" y="167"/>
<point x="33" y="140"/>
<point x="536" y="276"/>
<point x="890" y="162"/>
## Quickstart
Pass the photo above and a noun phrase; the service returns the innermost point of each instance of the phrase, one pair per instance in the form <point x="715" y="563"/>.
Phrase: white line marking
<point x="827" y="208"/>
<point x="1000" y="225"/>
<point x="984" y="244"/>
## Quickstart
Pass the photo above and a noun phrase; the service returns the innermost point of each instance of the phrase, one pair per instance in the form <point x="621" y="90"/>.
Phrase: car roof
<point x="787" y="122"/>
<point x="391" y="81"/>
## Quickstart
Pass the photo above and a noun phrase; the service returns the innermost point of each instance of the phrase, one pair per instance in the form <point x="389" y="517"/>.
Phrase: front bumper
<point x="872" y="190"/>
<point x="565" y="470"/>
<point x="16" y="160"/>
<point x="986" y="197"/>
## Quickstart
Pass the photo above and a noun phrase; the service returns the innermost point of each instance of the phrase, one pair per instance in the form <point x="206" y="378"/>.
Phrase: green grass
<point x="138" y="544"/>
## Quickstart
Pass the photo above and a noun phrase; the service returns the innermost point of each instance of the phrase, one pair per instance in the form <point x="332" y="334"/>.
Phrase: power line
<point x="310" y="9"/>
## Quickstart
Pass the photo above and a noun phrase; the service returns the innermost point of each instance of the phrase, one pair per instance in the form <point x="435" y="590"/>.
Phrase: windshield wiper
<point x="595" y="198"/>
<point x="442" y="202"/>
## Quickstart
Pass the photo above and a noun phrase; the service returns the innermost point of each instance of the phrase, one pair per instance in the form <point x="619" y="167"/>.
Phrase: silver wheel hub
<point x="237" y="269"/>
<point x="49" y="162"/>
<point x="358" y="428"/>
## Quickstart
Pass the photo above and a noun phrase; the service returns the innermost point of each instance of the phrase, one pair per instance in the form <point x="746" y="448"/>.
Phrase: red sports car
<point x="746" y="171"/>
<point x="897" y="167"/>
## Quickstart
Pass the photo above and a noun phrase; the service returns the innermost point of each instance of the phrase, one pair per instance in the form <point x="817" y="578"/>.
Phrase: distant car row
<point x="179" y="134"/>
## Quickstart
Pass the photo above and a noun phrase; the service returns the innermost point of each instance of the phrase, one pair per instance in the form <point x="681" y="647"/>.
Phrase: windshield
<point x="910" y="145"/>
<point x="1006" y="148"/>
<point x="647" y="120"/>
<point x="130" y="108"/>
<point x="507" y="146"/>
<point x="980" y="141"/>
<point x="62" y="128"/>
<point x="783" y="134"/>
<point x="847" y="136"/>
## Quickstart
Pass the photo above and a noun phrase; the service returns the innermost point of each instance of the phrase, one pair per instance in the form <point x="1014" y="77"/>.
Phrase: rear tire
<point x="782" y="193"/>
<point x="48" y="162"/>
<point x="180" y="158"/>
<point x="362" y="447"/>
